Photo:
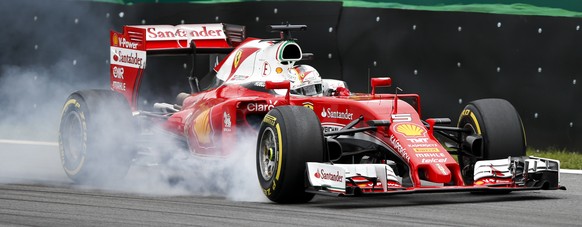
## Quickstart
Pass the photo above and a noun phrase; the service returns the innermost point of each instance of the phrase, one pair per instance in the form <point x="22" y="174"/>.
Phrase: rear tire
<point x="289" y="137"/>
<point x="500" y="126"/>
<point x="96" y="136"/>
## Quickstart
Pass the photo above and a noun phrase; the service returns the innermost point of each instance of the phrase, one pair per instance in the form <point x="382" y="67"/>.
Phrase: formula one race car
<point x="313" y="135"/>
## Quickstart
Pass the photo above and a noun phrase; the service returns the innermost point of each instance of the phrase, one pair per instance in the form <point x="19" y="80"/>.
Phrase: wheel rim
<point x="268" y="154"/>
<point x="72" y="135"/>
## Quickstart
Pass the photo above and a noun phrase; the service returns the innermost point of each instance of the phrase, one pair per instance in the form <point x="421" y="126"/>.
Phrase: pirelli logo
<point x="270" y="120"/>
<point x="426" y="150"/>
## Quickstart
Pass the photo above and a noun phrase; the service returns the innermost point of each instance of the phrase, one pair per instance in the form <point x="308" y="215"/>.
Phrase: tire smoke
<point x="233" y="177"/>
<point x="51" y="47"/>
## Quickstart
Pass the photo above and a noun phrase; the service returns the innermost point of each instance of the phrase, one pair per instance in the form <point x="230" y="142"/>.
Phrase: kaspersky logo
<point x="321" y="174"/>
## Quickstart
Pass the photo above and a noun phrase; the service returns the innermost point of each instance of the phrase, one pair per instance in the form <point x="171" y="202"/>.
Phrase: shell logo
<point x="202" y="128"/>
<point x="308" y="105"/>
<point x="410" y="130"/>
<point x="115" y="40"/>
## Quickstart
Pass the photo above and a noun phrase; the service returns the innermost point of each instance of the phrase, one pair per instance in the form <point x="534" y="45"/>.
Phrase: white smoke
<point x="61" y="58"/>
<point x="33" y="98"/>
<point x="233" y="176"/>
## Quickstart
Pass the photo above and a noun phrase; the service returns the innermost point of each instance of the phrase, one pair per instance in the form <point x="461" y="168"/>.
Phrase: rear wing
<point x="129" y="49"/>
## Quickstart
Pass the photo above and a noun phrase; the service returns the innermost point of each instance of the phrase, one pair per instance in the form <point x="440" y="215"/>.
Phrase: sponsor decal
<point x="330" y="128"/>
<point x="120" y="86"/>
<point x="261" y="107"/>
<point x="183" y="32"/>
<point x="308" y="105"/>
<point x="330" y="176"/>
<point x="118" y="72"/>
<point x="237" y="57"/>
<point x="260" y="83"/>
<point x="441" y="168"/>
<point x="432" y="149"/>
<point x="434" y="160"/>
<point x="328" y="113"/>
<point x="321" y="174"/>
<point x="396" y="144"/>
<point x="227" y="122"/>
<point x="291" y="75"/>
<point x="467" y="112"/>
<point x="128" y="58"/>
<point x="266" y="68"/>
<point x="412" y="130"/>
<point x="390" y="184"/>
<point x="429" y="155"/>
<point x="239" y="77"/>
<point x="422" y="143"/>
<point x="122" y="42"/>
<point x="270" y="120"/>
<point x="202" y="128"/>
<point x="418" y="140"/>
<point x="493" y="181"/>
<point x="115" y="40"/>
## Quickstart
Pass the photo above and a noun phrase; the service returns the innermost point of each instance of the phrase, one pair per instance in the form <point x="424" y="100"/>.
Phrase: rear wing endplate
<point x="129" y="49"/>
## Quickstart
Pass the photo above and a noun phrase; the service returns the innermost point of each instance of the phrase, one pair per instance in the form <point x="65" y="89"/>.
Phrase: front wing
<point x="501" y="175"/>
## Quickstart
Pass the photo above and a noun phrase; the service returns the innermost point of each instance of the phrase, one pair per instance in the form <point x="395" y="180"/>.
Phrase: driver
<point x="305" y="80"/>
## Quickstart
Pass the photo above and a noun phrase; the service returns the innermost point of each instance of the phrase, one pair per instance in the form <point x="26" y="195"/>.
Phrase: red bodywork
<point x="212" y="121"/>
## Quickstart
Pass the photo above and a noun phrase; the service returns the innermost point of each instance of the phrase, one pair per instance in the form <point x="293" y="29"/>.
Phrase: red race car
<point x="313" y="136"/>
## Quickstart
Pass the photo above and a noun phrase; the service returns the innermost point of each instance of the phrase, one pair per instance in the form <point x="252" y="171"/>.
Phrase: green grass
<point x="568" y="159"/>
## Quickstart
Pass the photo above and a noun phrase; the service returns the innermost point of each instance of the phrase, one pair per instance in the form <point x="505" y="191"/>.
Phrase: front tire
<point x="96" y="136"/>
<point x="498" y="124"/>
<point x="289" y="137"/>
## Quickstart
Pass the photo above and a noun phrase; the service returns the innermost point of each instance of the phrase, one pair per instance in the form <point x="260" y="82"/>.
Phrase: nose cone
<point x="438" y="173"/>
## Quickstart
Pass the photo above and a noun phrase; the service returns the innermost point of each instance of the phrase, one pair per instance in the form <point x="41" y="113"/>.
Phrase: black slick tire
<point x="499" y="125"/>
<point x="96" y="136"/>
<point x="289" y="136"/>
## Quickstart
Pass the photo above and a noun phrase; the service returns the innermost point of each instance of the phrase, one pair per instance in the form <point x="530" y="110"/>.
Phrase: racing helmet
<point x="305" y="80"/>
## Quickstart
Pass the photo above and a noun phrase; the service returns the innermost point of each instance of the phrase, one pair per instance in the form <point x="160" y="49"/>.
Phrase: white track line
<point x="572" y="171"/>
<point x="29" y="142"/>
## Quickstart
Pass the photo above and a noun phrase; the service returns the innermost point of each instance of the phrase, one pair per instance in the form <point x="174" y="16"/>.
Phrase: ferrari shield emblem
<point x="237" y="57"/>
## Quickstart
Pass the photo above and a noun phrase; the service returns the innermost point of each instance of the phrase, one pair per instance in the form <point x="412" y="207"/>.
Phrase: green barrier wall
<point x="562" y="8"/>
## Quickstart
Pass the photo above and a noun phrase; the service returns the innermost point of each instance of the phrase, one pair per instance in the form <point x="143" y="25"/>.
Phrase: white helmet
<point x="305" y="80"/>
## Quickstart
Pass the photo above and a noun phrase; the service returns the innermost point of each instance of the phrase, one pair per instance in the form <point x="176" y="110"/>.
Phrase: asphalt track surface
<point x="35" y="192"/>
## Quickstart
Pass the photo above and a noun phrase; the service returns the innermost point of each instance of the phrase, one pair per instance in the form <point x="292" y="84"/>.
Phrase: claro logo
<point x="261" y="107"/>
<point x="321" y="174"/>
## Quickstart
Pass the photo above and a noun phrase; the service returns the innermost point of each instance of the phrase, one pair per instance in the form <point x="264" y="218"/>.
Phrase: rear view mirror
<point x="380" y="82"/>
<point x="279" y="85"/>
